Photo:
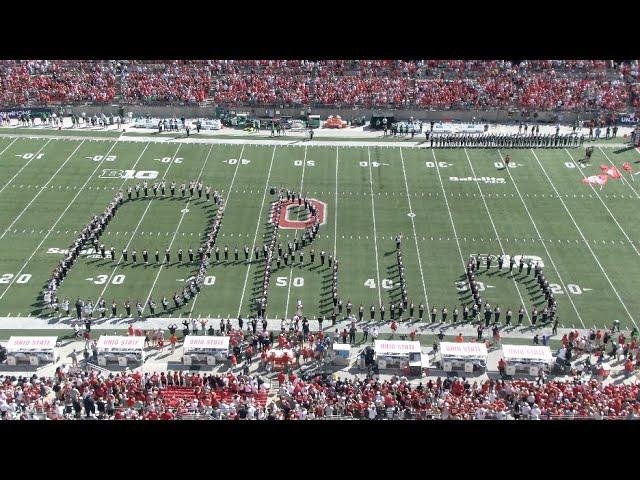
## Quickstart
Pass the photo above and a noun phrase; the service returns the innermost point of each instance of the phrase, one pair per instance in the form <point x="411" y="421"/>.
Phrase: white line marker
<point x="375" y="235"/>
<point x="59" y="218"/>
<point x="583" y="237"/>
<point x="522" y="302"/>
<point x="40" y="191"/>
<point x="603" y="203"/>
<point x="204" y="164"/>
<point x="258" y="223"/>
<point x="295" y="233"/>
<point x="543" y="244"/>
<point x="335" y="215"/>
<point x="24" y="166"/>
<point x="413" y="226"/>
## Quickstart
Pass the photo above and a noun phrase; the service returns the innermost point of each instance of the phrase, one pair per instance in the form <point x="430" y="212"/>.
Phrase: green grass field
<point x="587" y="238"/>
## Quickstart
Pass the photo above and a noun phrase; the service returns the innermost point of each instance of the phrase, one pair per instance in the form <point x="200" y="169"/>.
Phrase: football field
<point x="449" y="205"/>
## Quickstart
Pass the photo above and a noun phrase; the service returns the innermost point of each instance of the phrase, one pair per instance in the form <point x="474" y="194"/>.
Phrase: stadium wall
<point x="492" y="116"/>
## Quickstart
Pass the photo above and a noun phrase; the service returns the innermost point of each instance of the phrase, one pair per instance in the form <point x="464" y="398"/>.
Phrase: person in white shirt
<point x="535" y="412"/>
<point x="372" y="412"/>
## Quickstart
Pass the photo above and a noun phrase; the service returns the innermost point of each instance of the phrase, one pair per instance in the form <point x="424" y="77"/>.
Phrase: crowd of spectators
<point x="172" y="395"/>
<point x="235" y="393"/>
<point x="46" y="82"/>
<point x="440" y="84"/>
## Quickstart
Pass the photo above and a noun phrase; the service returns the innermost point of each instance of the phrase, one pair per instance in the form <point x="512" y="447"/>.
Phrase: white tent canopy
<point x="463" y="350"/>
<point x="395" y="347"/>
<point x="30" y="344"/>
<point x="108" y="343"/>
<point x="527" y="352"/>
<point x="194" y="342"/>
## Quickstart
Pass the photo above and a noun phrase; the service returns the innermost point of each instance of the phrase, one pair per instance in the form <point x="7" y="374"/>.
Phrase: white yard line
<point x="335" y="215"/>
<point x="622" y="177"/>
<point x="184" y="212"/>
<point x="60" y="217"/>
<point x="375" y="233"/>
<point x="7" y="148"/>
<point x="604" y="204"/>
<point x="255" y="237"/>
<point x="226" y="202"/>
<point x="41" y="190"/>
<point x="413" y="226"/>
<point x="495" y="230"/>
<point x="453" y="225"/>
<point x="11" y="143"/>
<point x="108" y="282"/>
<point x="583" y="238"/>
<point x="25" y="165"/>
<point x="544" y="245"/>
<point x="295" y="235"/>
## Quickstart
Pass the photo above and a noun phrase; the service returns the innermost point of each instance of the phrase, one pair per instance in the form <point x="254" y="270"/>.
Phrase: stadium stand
<point x="440" y="84"/>
<point x="178" y="395"/>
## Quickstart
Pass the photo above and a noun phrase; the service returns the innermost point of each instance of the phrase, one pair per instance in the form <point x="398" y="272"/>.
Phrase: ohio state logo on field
<point x="286" y="213"/>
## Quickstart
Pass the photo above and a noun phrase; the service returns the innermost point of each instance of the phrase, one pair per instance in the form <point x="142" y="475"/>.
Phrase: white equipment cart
<point x="120" y="350"/>
<point x="469" y="357"/>
<point x="526" y="359"/>
<point x="31" y="350"/>
<point x="205" y="350"/>
<point x="399" y="354"/>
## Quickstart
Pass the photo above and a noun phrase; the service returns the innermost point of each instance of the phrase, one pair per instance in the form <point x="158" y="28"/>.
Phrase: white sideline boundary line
<point x="413" y="226"/>
<point x="375" y="233"/>
<point x="43" y="187"/>
<point x="61" y="215"/>
<point x="226" y="202"/>
<point x="255" y="237"/>
<point x="108" y="282"/>
<point x="622" y="177"/>
<point x="144" y="305"/>
<point x="604" y="204"/>
<point x="486" y="207"/>
<point x="295" y="235"/>
<point x="287" y="142"/>
<point x="544" y="245"/>
<point x="583" y="238"/>
<point x="446" y="201"/>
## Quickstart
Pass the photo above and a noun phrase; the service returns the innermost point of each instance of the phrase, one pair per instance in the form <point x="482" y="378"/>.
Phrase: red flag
<point x="596" y="180"/>
<point x="610" y="170"/>
<point x="626" y="166"/>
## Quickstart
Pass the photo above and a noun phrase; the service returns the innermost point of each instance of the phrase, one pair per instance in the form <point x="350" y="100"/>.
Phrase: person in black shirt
<point x="79" y="306"/>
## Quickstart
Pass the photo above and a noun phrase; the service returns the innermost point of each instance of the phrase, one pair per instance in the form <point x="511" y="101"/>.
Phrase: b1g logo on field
<point x="286" y="212"/>
<point x="129" y="174"/>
